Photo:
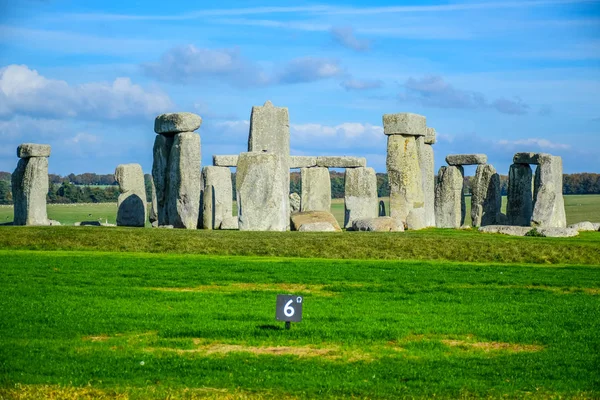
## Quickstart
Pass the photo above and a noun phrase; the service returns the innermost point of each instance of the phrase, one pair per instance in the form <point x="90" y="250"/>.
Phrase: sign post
<point x="288" y="309"/>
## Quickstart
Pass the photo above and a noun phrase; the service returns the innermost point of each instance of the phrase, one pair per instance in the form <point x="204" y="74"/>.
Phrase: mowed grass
<point x="183" y="326"/>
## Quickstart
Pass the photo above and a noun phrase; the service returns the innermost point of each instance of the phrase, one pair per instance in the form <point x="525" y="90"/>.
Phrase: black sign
<point x="289" y="308"/>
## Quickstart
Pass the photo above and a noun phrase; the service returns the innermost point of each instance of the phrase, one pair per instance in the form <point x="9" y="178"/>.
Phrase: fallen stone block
<point x="510" y="230"/>
<point x="557" y="232"/>
<point x="379" y="224"/>
<point x="309" y="217"/>
<point x="317" y="227"/>
<point x="585" y="226"/>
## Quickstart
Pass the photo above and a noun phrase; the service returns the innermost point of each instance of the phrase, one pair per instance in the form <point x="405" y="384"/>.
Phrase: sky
<point x="494" y="77"/>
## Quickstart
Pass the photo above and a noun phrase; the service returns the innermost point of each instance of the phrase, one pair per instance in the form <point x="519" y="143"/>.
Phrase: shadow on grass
<point x="270" y="327"/>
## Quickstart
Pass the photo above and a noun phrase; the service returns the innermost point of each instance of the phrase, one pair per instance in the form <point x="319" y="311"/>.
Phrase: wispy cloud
<point x="434" y="91"/>
<point x="344" y="35"/>
<point x="535" y="143"/>
<point x="357" y="84"/>
<point x="308" y="69"/>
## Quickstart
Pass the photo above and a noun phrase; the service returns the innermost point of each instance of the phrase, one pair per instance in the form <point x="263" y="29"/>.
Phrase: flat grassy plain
<point x="91" y="312"/>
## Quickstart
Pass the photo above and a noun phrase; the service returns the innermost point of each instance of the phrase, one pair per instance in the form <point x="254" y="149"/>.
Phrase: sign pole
<point x="288" y="325"/>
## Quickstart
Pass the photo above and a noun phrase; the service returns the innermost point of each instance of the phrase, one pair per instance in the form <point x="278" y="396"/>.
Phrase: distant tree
<point x="5" y="192"/>
<point x="5" y="176"/>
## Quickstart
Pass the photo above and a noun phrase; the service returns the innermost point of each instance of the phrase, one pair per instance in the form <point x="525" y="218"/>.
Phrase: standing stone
<point x="382" y="208"/>
<point x="360" y="195"/>
<point x="316" y="189"/>
<point x="270" y="131"/>
<point x="486" y="199"/>
<point x="184" y="180"/>
<point x="295" y="202"/>
<point x="153" y="216"/>
<point x="29" y="188"/>
<point x="217" y="202"/>
<point x="259" y="185"/>
<point x="160" y="175"/>
<point x="450" y="198"/>
<point x="131" y="204"/>
<point x="549" y="205"/>
<point x="404" y="174"/>
<point x="427" y="165"/>
<point x="520" y="206"/>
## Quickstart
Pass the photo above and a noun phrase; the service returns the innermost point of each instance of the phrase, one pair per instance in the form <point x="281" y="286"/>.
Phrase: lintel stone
<point x="404" y="124"/>
<point x="28" y="150"/>
<point x="341" y="162"/>
<point x="531" y="158"/>
<point x="225" y="161"/>
<point x="172" y="123"/>
<point x="466" y="159"/>
<point x="302" y="162"/>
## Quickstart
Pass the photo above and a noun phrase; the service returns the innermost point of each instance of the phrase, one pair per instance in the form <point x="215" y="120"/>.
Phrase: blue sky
<point x="492" y="77"/>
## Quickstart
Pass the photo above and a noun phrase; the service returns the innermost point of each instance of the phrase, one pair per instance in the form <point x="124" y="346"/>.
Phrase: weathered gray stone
<point x="450" y="208"/>
<point x="184" y="181"/>
<point x="310" y="217"/>
<point x="217" y="204"/>
<point x="28" y="150"/>
<point x="548" y="201"/>
<point x="520" y="198"/>
<point x="153" y="215"/>
<point x="427" y="165"/>
<point x="29" y="189"/>
<point x="160" y="175"/>
<point x="225" y="161"/>
<point x="270" y="132"/>
<point x="317" y="227"/>
<point x="131" y="204"/>
<point x="295" y="202"/>
<point x="172" y="123"/>
<point x="430" y="136"/>
<point x="259" y="184"/>
<point x="316" y="189"/>
<point x="404" y="175"/>
<point x="341" y="162"/>
<point x="530" y="158"/>
<point x="506" y="229"/>
<point x="360" y="195"/>
<point x="404" y="124"/>
<point x="466" y="159"/>
<point x="486" y="199"/>
<point x="585" y="226"/>
<point x="596" y="225"/>
<point x="556" y="232"/>
<point x="416" y="219"/>
<point x="380" y="224"/>
<point x="302" y="162"/>
<point x="229" y="223"/>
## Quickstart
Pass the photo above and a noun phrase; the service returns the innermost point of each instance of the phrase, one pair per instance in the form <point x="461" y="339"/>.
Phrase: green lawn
<point x="184" y="326"/>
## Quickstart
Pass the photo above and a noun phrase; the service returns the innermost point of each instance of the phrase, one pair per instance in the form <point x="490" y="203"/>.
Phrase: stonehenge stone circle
<point x="176" y="169"/>
<point x="379" y="224"/>
<point x="30" y="185"/>
<point x="172" y="123"/>
<point x="217" y="204"/>
<point x="131" y="204"/>
<point x="520" y="198"/>
<point x="548" y="200"/>
<point x="270" y="132"/>
<point x="403" y="164"/>
<point x="360" y="195"/>
<point x="260" y="184"/>
<point x="427" y="165"/>
<point x="450" y="205"/>
<point x="486" y="196"/>
<point x="466" y="159"/>
<point x="316" y="189"/>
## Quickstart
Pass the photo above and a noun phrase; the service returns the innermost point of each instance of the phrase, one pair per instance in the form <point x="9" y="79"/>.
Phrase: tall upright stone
<point x="270" y="132"/>
<point x="520" y="199"/>
<point x="486" y="199"/>
<point x="427" y="165"/>
<point x="30" y="185"/>
<point x="316" y="189"/>
<point x="184" y="181"/>
<point x="404" y="171"/>
<point x="153" y="215"/>
<point x="176" y="169"/>
<point x="131" y="204"/>
<point x="360" y="195"/>
<point x="549" y="206"/>
<point x="217" y="204"/>
<point x="259" y="185"/>
<point x="450" y="206"/>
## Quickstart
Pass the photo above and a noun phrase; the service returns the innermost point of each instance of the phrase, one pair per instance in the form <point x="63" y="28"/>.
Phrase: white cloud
<point x="357" y="84"/>
<point x="308" y="69"/>
<point x="542" y="144"/>
<point x="345" y="36"/>
<point x="352" y="137"/>
<point x="24" y="91"/>
<point x="83" y="138"/>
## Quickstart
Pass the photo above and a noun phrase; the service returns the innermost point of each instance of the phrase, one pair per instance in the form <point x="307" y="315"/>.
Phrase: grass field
<point x="578" y="208"/>
<point x="163" y="313"/>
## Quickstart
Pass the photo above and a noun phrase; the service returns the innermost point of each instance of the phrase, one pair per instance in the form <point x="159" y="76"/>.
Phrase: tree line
<point x="94" y="188"/>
